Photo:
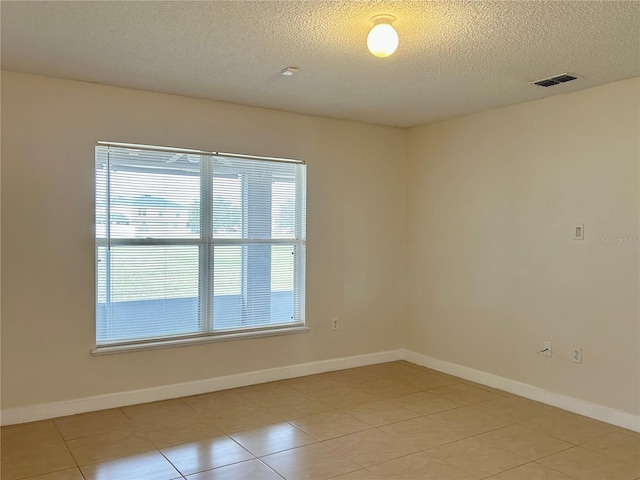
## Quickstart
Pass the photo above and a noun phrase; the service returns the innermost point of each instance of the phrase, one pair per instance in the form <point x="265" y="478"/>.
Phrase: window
<point x="195" y="244"/>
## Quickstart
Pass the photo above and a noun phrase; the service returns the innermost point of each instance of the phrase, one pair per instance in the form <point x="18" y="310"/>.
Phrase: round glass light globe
<point x="382" y="40"/>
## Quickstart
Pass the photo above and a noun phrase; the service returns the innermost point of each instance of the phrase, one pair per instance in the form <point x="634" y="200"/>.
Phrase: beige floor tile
<point x="29" y="434"/>
<point x="468" y="421"/>
<point x="387" y="388"/>
<point x="570" y="427"/>
<point x="93" y="423"/>
<point x="530" y="471"/>
<point x="390" y="369"/>
<point x="174" y="431"/>
<point x="323" y="426"/>
<point x="476" y="457"/>
<point x="272" y="439"/>
<point x="146" y="466"/>
<point x="268" y="394"/>
<point x="70" y="474"/>
<point x="245" y="417"/>
<point x="34" y="461"/>
<point x="195" y="457"/>
<point x="311" y="462"/>
<point x="273" y="399"/>
<point x="524" y="442"/>
<point x="446" y="375"/>
<point x="380" y="413"/>
<point x="149" y="413"/>
<point x="422" y="433"/>
<point x="216" y="401"/>
<point x="371" y="447"/>
<point x="422" y="368"/>
<point x="424" y="403"/>
<point x="289" y="408"/>
<point x="362" y="474"/>
<point x="497" y="391"/>
<point x="584" y="464"/>
<point x="465" y="394"/>
<point x="313" y="383"/>
<point x="636" y="435"/>
<point x="419" y="466"/>
<point x="344" y="396"/>
<point x="415" y="366"/>
<point x="513" y="408"/>
<point x="620" y="446"/>
<point x="104" y="446"/>
<point x="33" y="449"/>
<point x="352" y="376"/>
<point x="427" y="380"/>
<point x="249" y="470"/>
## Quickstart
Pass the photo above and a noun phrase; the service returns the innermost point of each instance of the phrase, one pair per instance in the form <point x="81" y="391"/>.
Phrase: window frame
<point x="206" y="243"/>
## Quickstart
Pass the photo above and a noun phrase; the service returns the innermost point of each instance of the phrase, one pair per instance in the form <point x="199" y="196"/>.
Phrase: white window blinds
<point x="193" y="243"/>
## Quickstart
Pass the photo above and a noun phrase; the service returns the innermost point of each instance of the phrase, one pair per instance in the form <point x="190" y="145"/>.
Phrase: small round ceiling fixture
<point x="382" y="40"/>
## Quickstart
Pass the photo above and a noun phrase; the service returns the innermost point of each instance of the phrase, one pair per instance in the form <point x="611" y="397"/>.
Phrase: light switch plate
<point x="578" y="231"/>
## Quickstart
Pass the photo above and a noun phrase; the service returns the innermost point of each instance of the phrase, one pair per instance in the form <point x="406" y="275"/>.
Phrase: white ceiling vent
<point x="557" y="80"/>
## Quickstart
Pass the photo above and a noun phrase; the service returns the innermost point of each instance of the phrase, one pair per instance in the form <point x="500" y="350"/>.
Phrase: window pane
<point x="153" y="194"/>
<point x="283" y="210"/>
<point x="101" y="201"/>
<point x="262" y="296"/>
<point x="227" y="270"/>
<point x="153" y="291"/>
<point x="227" y="206"/>
<point x="282" y="262"/>
<point x="227" y="287"/>
<point x="253" y="199"/>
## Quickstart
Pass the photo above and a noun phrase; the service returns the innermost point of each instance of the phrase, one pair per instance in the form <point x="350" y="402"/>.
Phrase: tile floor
<point x="388" y="421"/>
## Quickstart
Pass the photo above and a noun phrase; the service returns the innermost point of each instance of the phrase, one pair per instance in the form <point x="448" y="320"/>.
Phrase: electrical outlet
<point x="577" y="355"/>
<point x="334" y="324"/>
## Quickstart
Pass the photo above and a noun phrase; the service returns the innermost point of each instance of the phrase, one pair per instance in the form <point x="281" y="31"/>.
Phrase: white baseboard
<point x="33" y="413"/>
<point x="582" y="407"/>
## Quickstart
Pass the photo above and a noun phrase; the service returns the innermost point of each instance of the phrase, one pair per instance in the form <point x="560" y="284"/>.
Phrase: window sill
<point x="182" y="342"/>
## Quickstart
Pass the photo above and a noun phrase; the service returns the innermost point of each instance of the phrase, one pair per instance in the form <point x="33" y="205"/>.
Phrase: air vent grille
<point x="557" y="80"/>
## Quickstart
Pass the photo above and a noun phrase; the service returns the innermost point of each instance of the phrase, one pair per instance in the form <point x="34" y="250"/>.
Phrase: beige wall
<point x="492" y="270"/>
<point x="49" y="128"/>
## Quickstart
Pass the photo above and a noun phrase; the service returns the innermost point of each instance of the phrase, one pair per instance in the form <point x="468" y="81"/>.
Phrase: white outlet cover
<point x="578" y="231"/>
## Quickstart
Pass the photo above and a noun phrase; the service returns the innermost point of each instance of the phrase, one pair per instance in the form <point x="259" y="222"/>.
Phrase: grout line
<point x="66" y="445"/>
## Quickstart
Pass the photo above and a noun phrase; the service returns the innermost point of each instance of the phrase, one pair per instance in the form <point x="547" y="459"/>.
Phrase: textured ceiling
<point x="453" y="58"/>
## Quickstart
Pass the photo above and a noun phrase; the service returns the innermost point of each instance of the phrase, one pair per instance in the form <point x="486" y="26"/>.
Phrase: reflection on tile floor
<point x="394" y="420"/>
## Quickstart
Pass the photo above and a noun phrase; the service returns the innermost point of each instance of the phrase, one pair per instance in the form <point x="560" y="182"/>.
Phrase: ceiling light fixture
<point x="382" y="40"/>
<point x="287" y="72"/>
